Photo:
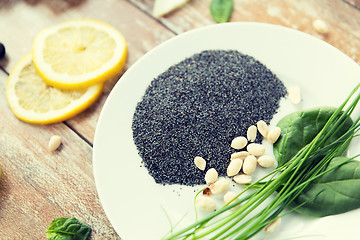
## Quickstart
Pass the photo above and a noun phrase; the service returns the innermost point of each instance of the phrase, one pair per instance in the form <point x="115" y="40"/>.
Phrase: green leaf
<point x="221" y="10"/>
<point x="67" y="229"/>
<point x="299" y="128"/>
<point x="335" y="192"/>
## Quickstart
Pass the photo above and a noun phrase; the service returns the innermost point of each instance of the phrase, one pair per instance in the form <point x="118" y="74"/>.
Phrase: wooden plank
<point x="342" y="19"/>
<point x="37" y="186"/>
<point x="142" y="37"/>
<point x="142" y="34"/>
<point x="355" y="3"/>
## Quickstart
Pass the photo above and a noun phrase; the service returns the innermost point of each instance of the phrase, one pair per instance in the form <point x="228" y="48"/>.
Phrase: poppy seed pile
<point x="196" y="107"/>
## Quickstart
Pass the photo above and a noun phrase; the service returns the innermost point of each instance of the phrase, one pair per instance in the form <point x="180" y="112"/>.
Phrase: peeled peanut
<point x="54" y="143"/>
<point x="242" y="155"/>
<point x="229" y="196"/>
<point x="249" y="164"/>
<point x="320" y="26"/>
<point x="274" y="134"/>
<point x="211" y="176"/>
<point x="239" y="142"/>
<point x="251" y="133"/>
<point x="294" y="94"/>
<point x="234" y="167"/>
<point x="266" y="161"/>
<point x="256" y="149"/>
<point x="205" y="203"/>
<point x="200" y="163"/>
<point x="263" y="128"/>
<point x="242" y="179"/>
<point x="219" y="186"/>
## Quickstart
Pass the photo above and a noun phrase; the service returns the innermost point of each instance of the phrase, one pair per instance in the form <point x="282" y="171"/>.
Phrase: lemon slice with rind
<point x="79" y="53"/>
<point x="33" y="101"/>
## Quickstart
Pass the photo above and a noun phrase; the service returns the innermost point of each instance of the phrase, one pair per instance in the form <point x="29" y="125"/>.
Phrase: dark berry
<point x="2" y="50"/>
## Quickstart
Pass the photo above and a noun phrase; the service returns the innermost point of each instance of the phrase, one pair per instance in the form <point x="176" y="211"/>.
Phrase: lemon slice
<point x="33" y="101"/>
<point x="79" y="53"/>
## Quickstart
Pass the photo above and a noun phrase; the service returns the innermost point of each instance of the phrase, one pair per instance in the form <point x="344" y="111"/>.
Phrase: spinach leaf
<point x="299" y="128"/>
<point x="221" y="10"/>
<point x="335" y="192"/>
<point x="67" y="229"/>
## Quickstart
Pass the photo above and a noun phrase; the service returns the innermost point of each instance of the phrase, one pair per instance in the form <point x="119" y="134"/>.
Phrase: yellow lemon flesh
<point x="34" y="101"/>
<point x="79" y="53"/>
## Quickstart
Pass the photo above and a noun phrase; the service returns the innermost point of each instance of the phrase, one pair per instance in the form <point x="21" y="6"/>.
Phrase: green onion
<point x="274" y="197"/>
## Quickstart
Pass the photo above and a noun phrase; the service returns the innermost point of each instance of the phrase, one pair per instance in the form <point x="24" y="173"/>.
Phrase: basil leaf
<point x="221" y="10"/>
<point x="299" y="129"/>
<point x="335" y="192"/>
<point x="67" y="229"/>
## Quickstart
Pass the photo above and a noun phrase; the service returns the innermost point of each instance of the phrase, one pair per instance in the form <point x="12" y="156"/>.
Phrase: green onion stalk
<point x="272" y="196"/>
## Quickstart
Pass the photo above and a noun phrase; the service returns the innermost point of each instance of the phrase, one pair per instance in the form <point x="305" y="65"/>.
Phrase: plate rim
<point x="148" y="54"/>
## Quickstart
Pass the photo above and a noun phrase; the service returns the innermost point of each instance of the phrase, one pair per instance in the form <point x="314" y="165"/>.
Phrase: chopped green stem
<point x="245" y="213"/>
<point x="282" y="186"/>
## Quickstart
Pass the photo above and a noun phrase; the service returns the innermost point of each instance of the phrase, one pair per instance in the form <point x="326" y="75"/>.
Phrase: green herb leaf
<point x="221" y="10"/>
<point x="314" y="166"/>
<point x="299" y="128"/>
<point x="67" y="229"/>
<point x="335" y="192"/>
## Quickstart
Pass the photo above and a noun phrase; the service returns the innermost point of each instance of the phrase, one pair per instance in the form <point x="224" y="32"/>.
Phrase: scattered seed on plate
<point x="200" y="163"/>
<point x="274" y="134"/>
<point x="249" y="165"/>
<point x="294" y="94"/>
<point x="234" y="167"/>
<point x="242" y="155"/>
<point x="242" y="179"/>
<point x="256" y="149"/>
<point x="205" y="203"/>
<point x="239" y="142"/>
<point x="54" y="143"/>
<point x="196" y="107"/>
<point x="251" y="133"/>
<point x="266" y="161"/>
<point x="219" y="186"/>
<point x="263" y="128"/>
<point x="229" y="196"/>
<point x="211" y="176"/>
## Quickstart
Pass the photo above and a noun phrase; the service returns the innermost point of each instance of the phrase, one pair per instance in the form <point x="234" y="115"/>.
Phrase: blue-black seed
<point x="2" y="50"/>
<point x="196" y="108"/>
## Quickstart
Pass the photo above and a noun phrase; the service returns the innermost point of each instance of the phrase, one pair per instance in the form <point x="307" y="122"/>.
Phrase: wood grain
<point x="44" y="185"/>
<point x="355" y="3"/>
<point x="142" y="34"/>
<point x="37" y="185"/>
<point x="343" y="19"/>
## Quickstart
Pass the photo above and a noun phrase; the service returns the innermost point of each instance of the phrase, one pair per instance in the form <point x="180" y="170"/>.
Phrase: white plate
<point x="134" y="203"/>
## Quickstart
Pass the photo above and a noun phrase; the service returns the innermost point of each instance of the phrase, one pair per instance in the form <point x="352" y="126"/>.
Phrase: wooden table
<point x="36" y="185"/>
